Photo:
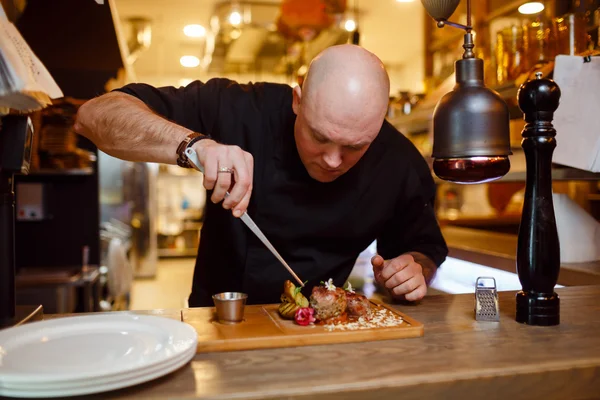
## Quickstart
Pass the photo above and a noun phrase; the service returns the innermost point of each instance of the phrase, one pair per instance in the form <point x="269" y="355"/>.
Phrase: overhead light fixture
<point x="189" y="61"/>
<point x="235" y="18"/>
<point x="532" y="7"/>
<point x="350" y="25"/>
<point x="194" y="30"/>
<point x="471" y="123"/>
<point x="405" y="1"/>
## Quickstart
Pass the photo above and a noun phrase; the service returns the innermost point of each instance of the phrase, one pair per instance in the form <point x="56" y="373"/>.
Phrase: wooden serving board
<point x="264" y="328"/>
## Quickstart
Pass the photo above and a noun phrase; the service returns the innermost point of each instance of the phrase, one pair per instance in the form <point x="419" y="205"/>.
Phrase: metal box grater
<point x="486" y="300"/>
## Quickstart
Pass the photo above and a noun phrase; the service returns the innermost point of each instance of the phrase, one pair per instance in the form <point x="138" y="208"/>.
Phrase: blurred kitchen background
<point x="133" y="228"/>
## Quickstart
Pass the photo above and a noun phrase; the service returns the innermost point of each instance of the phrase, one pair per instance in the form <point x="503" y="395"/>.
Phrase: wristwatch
<point x="189" y="141"/>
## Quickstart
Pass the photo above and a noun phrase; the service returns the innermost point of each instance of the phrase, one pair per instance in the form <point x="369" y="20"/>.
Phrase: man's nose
<point x="333" y="159"/>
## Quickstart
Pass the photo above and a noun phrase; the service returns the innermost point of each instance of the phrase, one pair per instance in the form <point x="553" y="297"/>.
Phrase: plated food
<point x="333" y="307"/>
<point x="291" y="300"/>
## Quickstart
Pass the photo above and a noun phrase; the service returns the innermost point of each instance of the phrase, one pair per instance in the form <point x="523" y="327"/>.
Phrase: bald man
<point x="318" y="168"/>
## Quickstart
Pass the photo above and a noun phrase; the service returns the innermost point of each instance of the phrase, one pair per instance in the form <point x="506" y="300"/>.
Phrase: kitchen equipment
<point x="264" y="328"/>
<point x="486" y="300"/>
<point x="538" y="248"/>
<point x="91" y="354"/>
<point x="16" y="137"/>
<point x="193" y="158"/>
<point x="230" y="307"/>
<point x="470" y="123"/>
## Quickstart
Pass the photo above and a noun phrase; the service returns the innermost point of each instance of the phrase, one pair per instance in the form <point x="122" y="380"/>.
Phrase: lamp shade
<point x="440" y="10"/>
<point x="471" y="129"/>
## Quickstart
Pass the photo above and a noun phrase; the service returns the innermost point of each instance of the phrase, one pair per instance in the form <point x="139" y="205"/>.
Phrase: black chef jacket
<point x="318" y="228"/>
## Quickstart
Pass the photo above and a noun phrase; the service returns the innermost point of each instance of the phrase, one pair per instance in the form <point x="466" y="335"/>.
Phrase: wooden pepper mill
<point x="538" y="251"/>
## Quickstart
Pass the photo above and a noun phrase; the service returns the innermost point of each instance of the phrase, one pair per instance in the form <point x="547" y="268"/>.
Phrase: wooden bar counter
<point x="457" y="358"/>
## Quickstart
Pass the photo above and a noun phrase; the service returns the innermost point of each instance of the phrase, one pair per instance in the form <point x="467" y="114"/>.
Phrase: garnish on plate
<point x="329" y="285"/>
<point x="349" y="288"/>
<point x="304" y="316"/>
<point x="292" y="299"/>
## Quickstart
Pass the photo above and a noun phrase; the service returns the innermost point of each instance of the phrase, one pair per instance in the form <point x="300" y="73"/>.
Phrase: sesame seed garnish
<point x="382" y="318"/>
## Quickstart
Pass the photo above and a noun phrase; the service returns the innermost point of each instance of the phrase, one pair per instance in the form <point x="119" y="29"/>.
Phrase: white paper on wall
<point x="577" y="120"/>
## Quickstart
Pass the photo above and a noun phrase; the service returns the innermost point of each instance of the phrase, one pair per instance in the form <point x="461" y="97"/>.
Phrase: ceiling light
<point x="350" y="25"/>
<point x="189" y="61"/>
<point x="235" y="18"/>
<point x="194" y="30"/>
<point x="533" y="7"/>
<point x="404" y="1"/>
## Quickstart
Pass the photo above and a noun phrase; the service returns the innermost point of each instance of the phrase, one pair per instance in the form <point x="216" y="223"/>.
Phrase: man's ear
<point x="297" y="99"/>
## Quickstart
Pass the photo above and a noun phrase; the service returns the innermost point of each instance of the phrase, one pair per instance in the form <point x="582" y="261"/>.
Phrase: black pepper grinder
<point x="538" y="251"/>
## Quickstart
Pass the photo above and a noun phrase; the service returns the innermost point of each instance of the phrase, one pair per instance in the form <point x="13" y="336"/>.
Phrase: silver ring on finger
<point x="225" y="170"/>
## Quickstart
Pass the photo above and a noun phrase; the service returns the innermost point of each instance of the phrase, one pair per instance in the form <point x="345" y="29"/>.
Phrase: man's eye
<point x="320" y="139"/>
<point x="355" y="148"/>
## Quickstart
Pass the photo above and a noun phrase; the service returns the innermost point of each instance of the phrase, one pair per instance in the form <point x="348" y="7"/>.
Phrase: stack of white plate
<point x="91" y="354"/>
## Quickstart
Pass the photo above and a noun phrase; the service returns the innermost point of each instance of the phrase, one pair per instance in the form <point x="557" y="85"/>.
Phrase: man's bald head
<point x="340" y="109"/>
<point x="348" y="76"/>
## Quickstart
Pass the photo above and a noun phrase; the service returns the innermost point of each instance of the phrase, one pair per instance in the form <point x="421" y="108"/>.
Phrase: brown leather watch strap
<point x="189" y="141"/>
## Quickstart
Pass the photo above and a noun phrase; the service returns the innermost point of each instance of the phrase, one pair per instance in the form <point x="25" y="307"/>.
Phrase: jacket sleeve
<point x="197" y="106"/>
<point x="414" y="226"/>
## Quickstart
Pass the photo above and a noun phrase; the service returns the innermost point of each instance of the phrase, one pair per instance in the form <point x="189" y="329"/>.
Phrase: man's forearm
<point x="124" y="127"/>
<point x="429" y="267"/>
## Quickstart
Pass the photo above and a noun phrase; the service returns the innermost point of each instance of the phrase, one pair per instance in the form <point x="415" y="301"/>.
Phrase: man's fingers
<point x="249" y="163"/>
<point x="242" y="206"/>
<point x="243" y="179"/>
<point x="223" y="179"/>
<point x="378" y="264"/>
<point x="392" y="268"/>
<point x="399" y="278"/>
<point x="377" y="261"/>
<point x="417" y="294"/>
<point x="210" y="170"/>
<point x="409" y="286"/>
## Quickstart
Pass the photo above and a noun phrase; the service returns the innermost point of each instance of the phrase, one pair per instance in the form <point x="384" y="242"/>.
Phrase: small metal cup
<point x="230" y="306"/>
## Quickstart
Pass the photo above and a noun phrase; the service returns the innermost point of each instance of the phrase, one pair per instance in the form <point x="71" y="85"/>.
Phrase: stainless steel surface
<point x="486" y="301"/>
<point x="128" y="196"/>
<point x="193" y="158"/>
<point x="230" y="307"/>
<point x="471" y="120"/>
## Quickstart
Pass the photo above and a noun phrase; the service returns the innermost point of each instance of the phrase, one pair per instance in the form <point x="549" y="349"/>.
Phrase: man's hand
<point x="401" y="276"/>
<point x="214" y="156"/>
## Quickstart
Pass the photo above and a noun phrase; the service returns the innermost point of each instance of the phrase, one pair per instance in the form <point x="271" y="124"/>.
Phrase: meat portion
<point x="328" y="303"/>
<point x="358" y="305"/>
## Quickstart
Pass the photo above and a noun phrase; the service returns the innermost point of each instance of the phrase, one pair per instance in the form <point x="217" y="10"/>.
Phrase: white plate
<point x="90" y="347"/>
<point x="114" y="384"/>
<point x="95" y="382"/>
